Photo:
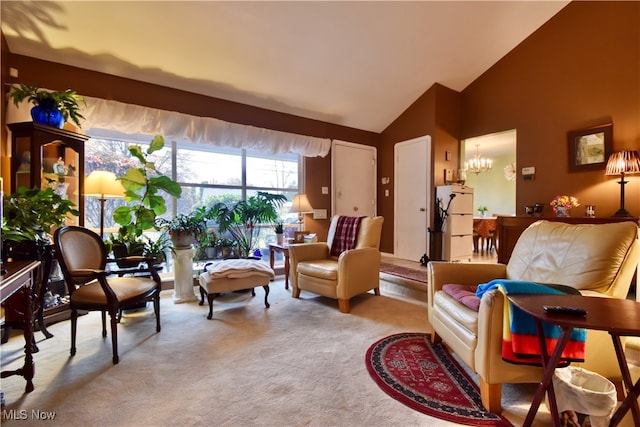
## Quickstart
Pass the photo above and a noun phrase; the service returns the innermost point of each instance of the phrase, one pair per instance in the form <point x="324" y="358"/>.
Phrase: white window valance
<point x="135" y="119"/>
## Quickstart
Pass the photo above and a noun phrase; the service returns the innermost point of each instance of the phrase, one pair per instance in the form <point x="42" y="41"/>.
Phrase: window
<point x="206" y="173"/>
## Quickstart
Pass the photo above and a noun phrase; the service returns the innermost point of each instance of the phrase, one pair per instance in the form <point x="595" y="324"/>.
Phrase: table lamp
<point x="621" y="163"/>
<point x="103" y="185"/>
<point x="301" y="206"/>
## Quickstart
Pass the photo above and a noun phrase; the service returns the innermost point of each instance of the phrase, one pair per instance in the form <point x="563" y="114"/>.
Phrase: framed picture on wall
<point x="590" y="148"/>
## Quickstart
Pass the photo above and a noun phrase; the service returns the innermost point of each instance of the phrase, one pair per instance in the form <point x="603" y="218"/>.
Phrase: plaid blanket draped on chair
<point x="345" y="235"/>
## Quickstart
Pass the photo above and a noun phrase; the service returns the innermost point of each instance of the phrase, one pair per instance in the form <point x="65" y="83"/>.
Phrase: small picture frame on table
<point x="298" y="237"/>
<point x="590" y="148"/>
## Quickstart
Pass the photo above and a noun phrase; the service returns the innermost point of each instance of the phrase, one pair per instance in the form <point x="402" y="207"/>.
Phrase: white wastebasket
<point x="586" y="394"/>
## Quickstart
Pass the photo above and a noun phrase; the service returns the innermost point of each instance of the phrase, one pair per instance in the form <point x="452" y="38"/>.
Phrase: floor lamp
<point x="621" y="163"/>
<point x="301" y="206"/>
<point x="103" y="185"/>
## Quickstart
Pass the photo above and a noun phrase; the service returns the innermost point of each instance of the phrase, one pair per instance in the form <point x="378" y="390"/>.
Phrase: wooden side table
<point x="284" y="250"/>
<point x="619" y="317"/>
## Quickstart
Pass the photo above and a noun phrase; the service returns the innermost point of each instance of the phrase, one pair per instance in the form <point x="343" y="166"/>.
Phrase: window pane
<point x="272" y="171"/>
<point x="194" y="197"/>
<point x="200" y="166"/>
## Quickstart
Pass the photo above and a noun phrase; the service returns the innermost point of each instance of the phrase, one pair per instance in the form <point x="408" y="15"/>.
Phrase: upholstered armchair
<point x="598" y="260"/>
<point x="353" y="272"/>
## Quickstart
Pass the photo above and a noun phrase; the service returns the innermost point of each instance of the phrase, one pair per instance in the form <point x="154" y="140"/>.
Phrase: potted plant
<point x="184" y="229"/>
<point x="29" y="216"/>
<point x="482" y="210"/>
<point x="142" y="185"/>
<point x="156" y="248"/>
<point x="51" y="108"/>
<point x="208" y="244"/>
<point x="226" y="247"/>
<point x="242" y="219"/>
<point x="279" y="230"/>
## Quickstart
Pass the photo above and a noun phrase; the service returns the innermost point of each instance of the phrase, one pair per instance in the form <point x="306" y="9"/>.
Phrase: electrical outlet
<point x="325" y="190"/>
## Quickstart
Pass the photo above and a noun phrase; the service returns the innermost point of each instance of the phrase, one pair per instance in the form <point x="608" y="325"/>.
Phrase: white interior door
<point x="354" y="179"/>
<point x="412" y="184"/>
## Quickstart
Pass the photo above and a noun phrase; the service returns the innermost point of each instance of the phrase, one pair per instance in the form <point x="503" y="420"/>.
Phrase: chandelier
<point x="478" y="164"/>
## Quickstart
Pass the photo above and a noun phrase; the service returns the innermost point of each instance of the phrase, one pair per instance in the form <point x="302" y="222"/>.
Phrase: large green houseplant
<point x="143" y="187"/>
<point x="67" y="102"/>
<point x="241" y="219"/>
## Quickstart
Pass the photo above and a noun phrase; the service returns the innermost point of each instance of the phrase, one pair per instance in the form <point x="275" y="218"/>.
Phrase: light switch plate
<point x="325" y="190"/>
<point x="448" y="175"/>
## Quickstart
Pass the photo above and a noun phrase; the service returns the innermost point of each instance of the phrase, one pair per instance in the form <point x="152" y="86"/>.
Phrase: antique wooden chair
<point x="83" y="257"/>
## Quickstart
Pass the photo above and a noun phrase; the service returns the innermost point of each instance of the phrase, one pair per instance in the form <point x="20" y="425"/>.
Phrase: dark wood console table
<point x="20" y="275"/>
<point x="509" y="229"/>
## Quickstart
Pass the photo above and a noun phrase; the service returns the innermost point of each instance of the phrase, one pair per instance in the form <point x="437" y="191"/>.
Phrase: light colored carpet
<point x="298" y="363"/>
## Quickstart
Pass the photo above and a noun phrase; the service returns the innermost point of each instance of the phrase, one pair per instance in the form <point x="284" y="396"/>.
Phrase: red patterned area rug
<point x="418" y="275"/>
<point x="427" y="378"/>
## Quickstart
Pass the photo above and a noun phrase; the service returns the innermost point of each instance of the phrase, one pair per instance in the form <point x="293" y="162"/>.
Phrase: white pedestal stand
<point x="183" y="276"/>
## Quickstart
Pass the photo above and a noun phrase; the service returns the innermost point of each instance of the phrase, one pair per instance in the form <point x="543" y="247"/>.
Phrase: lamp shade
<point x="623" y="162"/>
<point x="103" y="184"/>
<point x="301" y="204"/>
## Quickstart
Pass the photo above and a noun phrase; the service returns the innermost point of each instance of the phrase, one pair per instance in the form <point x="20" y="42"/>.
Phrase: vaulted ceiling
<point x="353" y="63"/>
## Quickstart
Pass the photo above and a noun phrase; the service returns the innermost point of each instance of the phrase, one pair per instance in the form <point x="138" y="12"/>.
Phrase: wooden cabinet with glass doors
<point x="44" y="156"/>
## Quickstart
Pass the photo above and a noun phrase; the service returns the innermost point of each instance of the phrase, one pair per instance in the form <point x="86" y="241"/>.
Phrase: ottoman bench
<point x="234" y="275"/>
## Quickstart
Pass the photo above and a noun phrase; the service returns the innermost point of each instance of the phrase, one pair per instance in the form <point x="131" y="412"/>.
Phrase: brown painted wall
<point x="581" y="69"/>
<point x="57" y="76"/>
<point x="435" y="113"/>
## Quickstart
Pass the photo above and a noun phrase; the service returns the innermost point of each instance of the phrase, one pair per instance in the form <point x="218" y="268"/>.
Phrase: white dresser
<point x="457" y="242"/>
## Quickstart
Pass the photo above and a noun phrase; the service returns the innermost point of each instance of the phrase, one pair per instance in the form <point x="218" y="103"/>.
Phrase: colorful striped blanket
<point x="520" y="343"/>
<point x="345" y="235"/>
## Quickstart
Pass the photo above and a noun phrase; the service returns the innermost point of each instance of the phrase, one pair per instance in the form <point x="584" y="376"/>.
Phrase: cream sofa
<point x="356" y="271"/>
<point x="598" y="260"/>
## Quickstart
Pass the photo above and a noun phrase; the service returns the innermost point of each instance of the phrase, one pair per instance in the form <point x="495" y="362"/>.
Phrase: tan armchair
<point x="354" y="272"/>
<point x="598" y="260"/>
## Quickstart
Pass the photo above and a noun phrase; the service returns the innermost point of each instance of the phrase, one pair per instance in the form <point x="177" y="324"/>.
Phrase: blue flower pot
<point x="47" y="114"/>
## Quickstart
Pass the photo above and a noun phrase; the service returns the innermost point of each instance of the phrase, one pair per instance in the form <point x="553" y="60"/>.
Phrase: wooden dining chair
<point x="83" y="258"/>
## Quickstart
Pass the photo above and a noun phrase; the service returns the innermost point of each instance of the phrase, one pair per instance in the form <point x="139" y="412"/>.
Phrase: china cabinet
<point x="44" y="156"/>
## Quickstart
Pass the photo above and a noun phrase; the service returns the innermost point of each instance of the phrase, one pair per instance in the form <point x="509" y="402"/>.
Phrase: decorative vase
<point x="46" y="113"/>
<point x="280" y="238"/>
<point x="561" y="211"/>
